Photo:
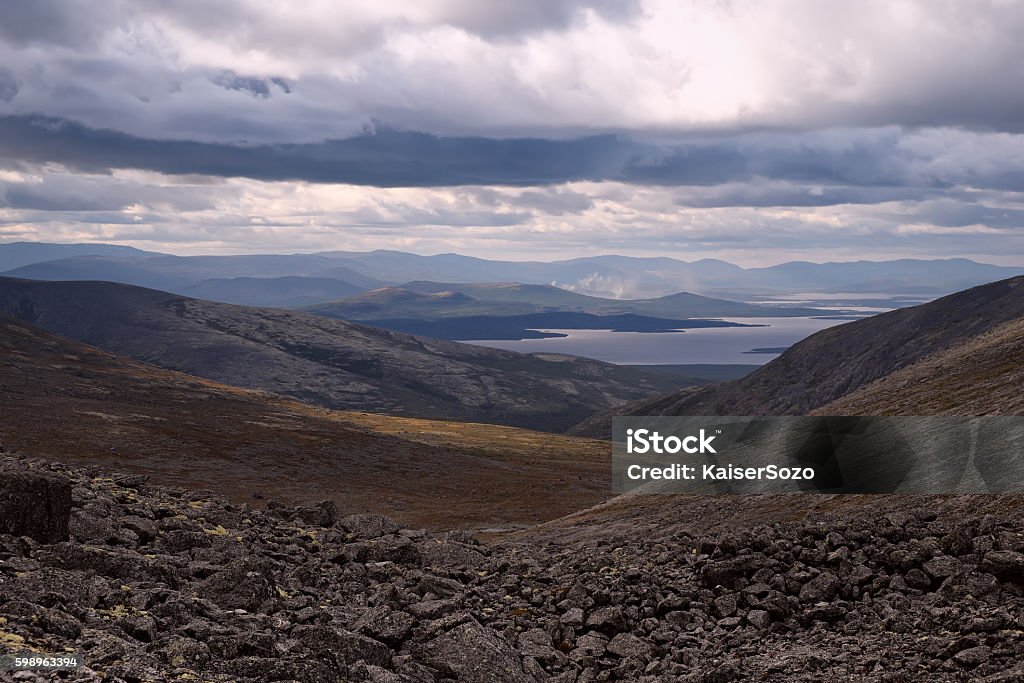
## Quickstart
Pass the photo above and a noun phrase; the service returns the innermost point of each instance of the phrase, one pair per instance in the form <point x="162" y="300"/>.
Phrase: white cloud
<point x="192" y="215"/>
<point x="537" y="67"/>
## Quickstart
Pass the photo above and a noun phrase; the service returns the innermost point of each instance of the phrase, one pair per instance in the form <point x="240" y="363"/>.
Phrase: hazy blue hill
<point x="608" y="277"/>
<point x="18" y="254"/>
<point x="897" y="277"/>
<point x="541" y="296"/>
<point x="289" y="291"/>
<point x="527" y="326"/>
<point x="396" y="266"/>
<point x="435" y="300"/>
<point x="175" y="273"/>
<point x="615" y="276"/>
<point x="90" y="268"/>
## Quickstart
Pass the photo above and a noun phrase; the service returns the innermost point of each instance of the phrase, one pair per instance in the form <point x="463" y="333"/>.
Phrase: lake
<point x="722" y="345"/>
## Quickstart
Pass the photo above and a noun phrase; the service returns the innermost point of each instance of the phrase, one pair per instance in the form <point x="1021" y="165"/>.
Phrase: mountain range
<point x="437" y="301"/>
<point x="288" y="291"/>
<point x="17" y="254"/>
<point x="326" y="362"/>
<point x="798" y="578"/>
<point x="636" y="277"/>
<point x="617" y="277"/>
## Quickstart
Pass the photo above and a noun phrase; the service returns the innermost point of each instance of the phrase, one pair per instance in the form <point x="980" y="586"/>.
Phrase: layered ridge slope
<point x="65" y="400"/>
<point x="981" y="376"/>
<point x="332" y="363"/>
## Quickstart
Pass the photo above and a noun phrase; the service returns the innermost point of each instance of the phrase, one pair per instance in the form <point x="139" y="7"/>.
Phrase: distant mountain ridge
<point x="289" y="291"/>
<point x="327" y="362"/>
<point x="611" y="276"/>
<point x="17" y="254"/>
<point x="441" y="300"/>
<point x="639" y="277"/>
<point x="177" y="272"/>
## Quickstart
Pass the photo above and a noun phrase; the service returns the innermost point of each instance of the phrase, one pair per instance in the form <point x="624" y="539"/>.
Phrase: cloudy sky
<point x="751" y="130"/>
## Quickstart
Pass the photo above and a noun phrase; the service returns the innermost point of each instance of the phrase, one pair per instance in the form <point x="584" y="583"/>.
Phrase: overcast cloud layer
<point x="755" y="130"/>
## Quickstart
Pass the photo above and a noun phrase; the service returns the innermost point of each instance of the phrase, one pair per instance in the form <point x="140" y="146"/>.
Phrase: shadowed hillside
<point x="286" y="292"/>
<point x="980" y="376"/>
<point x="63" y="399"/>
<point x="327" y="362"/>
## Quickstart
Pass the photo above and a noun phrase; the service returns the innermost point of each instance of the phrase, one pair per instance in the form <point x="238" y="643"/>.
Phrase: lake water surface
<point x="721" y="345"/>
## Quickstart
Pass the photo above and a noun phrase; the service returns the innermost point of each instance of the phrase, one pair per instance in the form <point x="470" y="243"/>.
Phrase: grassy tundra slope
<point x="68" y="401"/>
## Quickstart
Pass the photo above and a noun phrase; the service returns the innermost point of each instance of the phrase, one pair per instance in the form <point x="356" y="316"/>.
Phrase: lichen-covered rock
<point x="244" y="583"/>
<point x="385" y="624"/>
<point x="323" y="514"/>
<point x="450" y="554"/>
<point x="33" y="503"/>
<point x="341" y="646"/>
<point x="820" y="588"/>
<point x="472" y="653"/>
<point x="369" y="526"/>
<point x="1005" y="564"/>
<point x="627" y="645"/>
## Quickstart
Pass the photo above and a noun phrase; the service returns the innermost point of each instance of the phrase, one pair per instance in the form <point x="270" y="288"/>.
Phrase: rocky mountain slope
<point x="68" y="401"/>
<point x="980" y="376"/>
<point x="838" y="361"/>
<point x="327" y="362"/>
<point x="156" y="584"/>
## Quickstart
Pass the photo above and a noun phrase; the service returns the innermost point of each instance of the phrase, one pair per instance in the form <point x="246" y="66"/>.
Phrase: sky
<point x="755" y="131"/>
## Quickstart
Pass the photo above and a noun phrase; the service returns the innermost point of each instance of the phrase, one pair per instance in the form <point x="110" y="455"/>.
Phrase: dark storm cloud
<point x="70" y="23"/>
<point x="541" y="68"/>
<point x="258" y="87"/>
<point x="837" y="166"/>
<point x="22" y="197"/>
<point x="67" y="192"/>
<point x="385" y="158"/>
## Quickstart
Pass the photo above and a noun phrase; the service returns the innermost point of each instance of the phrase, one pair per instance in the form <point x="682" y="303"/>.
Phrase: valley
<point x="275" y="487"/>
<point x="68" y="401"/>
<point x="330" y="363"/>
<point x="559" y="341"/>
<point x="710" y="345"/>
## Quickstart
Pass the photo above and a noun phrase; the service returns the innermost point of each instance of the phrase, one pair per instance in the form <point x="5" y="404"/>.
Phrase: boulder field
<point x="156" y="584"/>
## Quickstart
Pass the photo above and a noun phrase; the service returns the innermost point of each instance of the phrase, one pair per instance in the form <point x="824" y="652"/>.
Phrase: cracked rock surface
<point x="157" y="584"/>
